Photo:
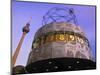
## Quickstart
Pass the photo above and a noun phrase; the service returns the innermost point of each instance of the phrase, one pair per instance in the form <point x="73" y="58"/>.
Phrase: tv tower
<point x="25" y="30"/>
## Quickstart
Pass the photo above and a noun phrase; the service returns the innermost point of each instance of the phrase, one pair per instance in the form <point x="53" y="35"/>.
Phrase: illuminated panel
<point x="57" y="37"/>
<point x="62" y="37"/>
<point x="71" y="38"/>
<point x="67" y="37"/>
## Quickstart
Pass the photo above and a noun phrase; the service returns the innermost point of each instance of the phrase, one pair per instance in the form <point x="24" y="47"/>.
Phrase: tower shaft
<point x="18" y="49"/>
<point x="25" y="31"/>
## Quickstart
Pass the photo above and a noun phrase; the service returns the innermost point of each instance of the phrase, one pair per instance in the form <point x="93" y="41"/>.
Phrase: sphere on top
<point x="60" y="15"/>
<point x="26" y="28"/>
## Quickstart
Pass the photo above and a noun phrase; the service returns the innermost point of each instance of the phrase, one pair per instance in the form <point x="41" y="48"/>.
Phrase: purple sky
<point x="21" y="12"/>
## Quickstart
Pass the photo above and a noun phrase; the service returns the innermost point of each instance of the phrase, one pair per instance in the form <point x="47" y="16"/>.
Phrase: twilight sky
<point x="21" y="12"/>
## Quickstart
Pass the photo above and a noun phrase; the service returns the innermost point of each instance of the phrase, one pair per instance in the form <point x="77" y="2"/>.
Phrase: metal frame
<point x="54" y="14"/>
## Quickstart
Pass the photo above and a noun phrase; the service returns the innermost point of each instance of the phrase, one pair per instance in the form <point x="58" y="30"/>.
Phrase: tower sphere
<point x="26" y="28"/>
